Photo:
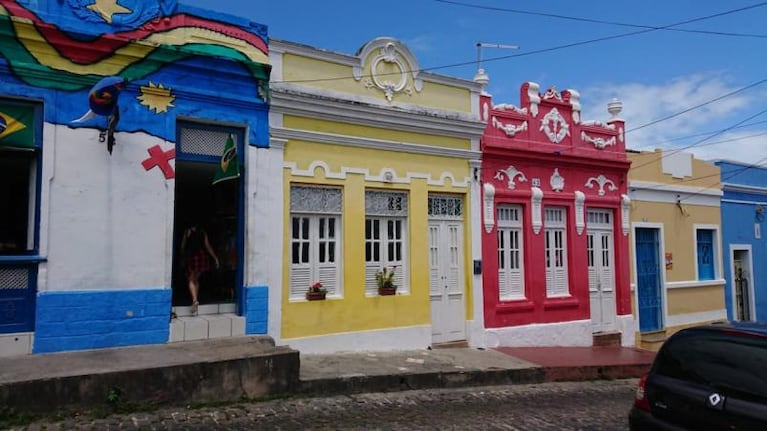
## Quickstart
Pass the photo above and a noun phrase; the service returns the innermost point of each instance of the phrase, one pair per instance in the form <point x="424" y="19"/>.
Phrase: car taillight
<point x="640" y="399"/>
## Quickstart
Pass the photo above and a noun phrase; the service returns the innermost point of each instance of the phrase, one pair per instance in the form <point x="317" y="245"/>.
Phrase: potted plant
<point x="385" y="281"/>
<point x="316" y="292"/>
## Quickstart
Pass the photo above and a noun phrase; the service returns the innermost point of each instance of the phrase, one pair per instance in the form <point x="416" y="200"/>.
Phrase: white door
<point x="601" y="262"/>
<point x="446" y="281"/>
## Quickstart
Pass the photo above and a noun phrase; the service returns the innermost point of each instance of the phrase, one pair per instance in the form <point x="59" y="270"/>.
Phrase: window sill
<point x="563" y="302"/>
<point x="515" y="306"/>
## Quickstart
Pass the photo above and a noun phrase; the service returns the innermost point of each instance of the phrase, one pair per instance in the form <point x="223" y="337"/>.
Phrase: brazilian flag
<point x="228" y="168"/>
<point x="17" y="126"/>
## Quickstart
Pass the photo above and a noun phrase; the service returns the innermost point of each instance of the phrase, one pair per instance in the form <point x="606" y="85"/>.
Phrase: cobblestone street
<point x="597" y="405"/>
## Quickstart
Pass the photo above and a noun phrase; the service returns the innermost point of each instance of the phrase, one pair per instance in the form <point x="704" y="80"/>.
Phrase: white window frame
<point x="385" y="209"/>
<point x="511" y="267"/>
<point x="320" y="213"/>
<point x="717" y="250"/>
<point x="555" y="255"/>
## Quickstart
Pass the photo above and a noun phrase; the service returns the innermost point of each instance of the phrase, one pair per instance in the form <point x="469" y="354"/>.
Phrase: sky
<point x="656" y="73"/>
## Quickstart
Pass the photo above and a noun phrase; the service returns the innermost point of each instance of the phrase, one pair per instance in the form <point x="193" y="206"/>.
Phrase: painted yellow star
<point x="107" y="8"/>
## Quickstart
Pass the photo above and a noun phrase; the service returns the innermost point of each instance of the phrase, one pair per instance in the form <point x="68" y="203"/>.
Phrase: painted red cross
<point x="158" y="157"/>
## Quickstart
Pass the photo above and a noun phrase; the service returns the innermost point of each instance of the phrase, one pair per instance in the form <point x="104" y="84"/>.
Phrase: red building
<point x="555" y="223"/>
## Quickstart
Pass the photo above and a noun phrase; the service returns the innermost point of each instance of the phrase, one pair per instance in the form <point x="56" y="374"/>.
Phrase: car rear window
<point x="729" y="362"/>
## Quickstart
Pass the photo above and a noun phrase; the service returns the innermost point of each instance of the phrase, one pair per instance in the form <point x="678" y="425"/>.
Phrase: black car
<point x="710" y="377"/>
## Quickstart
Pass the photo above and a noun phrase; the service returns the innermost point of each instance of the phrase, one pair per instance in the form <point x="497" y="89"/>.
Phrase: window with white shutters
<point x="555" y="235"/>
<point x="511" y="280"/>
<point x="315" y="239"/>
<point x="386" y="237"/>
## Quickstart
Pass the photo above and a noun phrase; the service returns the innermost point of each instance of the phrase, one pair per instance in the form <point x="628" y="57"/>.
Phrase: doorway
<point x="742" y="285"/>
<point x="648" y="270"/>
<point x="599" y="243"/>
<point x="207" y="197"/>
<point x="446" y="269"/>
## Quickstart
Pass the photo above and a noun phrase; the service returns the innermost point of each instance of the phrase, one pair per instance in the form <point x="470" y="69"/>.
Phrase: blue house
<point x="121" y="124"/>
<point x="744" y="203"/>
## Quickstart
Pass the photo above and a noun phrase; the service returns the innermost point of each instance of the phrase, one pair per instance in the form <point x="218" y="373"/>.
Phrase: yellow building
<point x="676" y="273"/>
<point x="379" y="163"/>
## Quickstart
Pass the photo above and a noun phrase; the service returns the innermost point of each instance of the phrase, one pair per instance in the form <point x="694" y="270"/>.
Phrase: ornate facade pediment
<point x="387" y="66"/>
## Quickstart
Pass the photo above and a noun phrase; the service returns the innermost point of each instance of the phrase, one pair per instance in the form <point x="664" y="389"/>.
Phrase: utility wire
<point x="708" y="102"/>
<point x="544" y="50"/>
<point x="699" y="142"/>
<point x="679" y="138"/>
<point x="597" y="21"/>
<point x="733" y="173"/>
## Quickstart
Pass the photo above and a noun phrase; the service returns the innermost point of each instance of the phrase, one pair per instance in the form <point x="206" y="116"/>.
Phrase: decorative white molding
<point x="535" y="98"/>
<point x="510" y="129"/>
<point x="511" y="173"/>
<point x="390" y="51"/>
<point x="552" y="93"/>
<point x="625" y="213"/>
<point x="510" y="107"/>
<point x="488" y="197"/>
<point x="596" y="123"/>
<point x="555" y="126"/>
<point x="580" y="220"/>
<point x="381" y="176"/>
<point x="485" y="111"/>
<point x="537" y="209"/>
<point x="602" y="181"/>
<point x="598" y="142"/>
<point x="557" y="181"/>
<point x="575" y="101"/>
<point x="620" y="134"/>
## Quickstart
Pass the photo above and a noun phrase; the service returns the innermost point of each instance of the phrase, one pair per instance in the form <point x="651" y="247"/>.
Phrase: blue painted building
<point x="121" y="124"/>
<point x="744" y="203"/>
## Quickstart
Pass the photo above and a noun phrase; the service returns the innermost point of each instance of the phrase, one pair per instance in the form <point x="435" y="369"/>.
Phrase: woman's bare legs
<point x="193" y="279"/>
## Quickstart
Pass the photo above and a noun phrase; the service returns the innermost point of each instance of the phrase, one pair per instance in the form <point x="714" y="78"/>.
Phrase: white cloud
<point x="645" y="103"/>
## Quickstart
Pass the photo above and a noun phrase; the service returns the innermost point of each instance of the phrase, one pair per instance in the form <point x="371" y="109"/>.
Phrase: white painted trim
<point x="574" y="333"/>
<point x="736" y="201"/>
<point x="409" y="338"/>
<point x="627" y="323"/>
<point x="733" y="296"/>
<point x="732" y="187"/>
<point x="695" y="318"/>
<point x="475" y="328"/>
<point x="353" y="109"/>
<point x="380" y="177"/>
<point x="380" y="144"/>
<point x="662" y="266"/>
<point x="694" y="283"/>
<point x="665" y="193"/>
<point x="651" y="185"/>
<point x="717" y="248"/>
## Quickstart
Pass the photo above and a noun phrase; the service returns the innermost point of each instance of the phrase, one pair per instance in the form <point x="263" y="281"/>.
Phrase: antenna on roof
<point x="481" y="77"/>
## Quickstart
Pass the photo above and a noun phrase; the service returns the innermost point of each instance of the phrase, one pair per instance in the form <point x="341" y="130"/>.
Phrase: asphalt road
<point x="593" y="406"/>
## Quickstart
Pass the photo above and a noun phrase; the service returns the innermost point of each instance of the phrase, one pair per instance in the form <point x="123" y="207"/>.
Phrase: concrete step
<point x="603" y="339"/>
<point x="652" y="340"/>
<point x="460" y="344"/>
<point x="215" y="370"/>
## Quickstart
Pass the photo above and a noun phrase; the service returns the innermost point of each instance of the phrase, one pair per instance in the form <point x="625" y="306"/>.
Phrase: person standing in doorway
<point x="196" y="251"/>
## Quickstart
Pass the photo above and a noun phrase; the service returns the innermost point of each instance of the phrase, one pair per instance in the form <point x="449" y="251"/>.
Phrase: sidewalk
<point x="253" y="367"/>
<point x="443" y="368"/>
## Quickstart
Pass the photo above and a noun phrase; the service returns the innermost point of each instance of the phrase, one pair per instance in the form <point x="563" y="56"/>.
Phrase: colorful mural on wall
<point x="154" y="47"/>
<point x="160" y="86"/>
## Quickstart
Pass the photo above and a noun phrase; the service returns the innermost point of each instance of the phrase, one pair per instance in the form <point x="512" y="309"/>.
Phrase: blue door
<point x="648" y="280"/>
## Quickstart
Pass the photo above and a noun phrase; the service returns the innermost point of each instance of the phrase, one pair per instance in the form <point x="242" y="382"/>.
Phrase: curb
<point x="355" y="384"/>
